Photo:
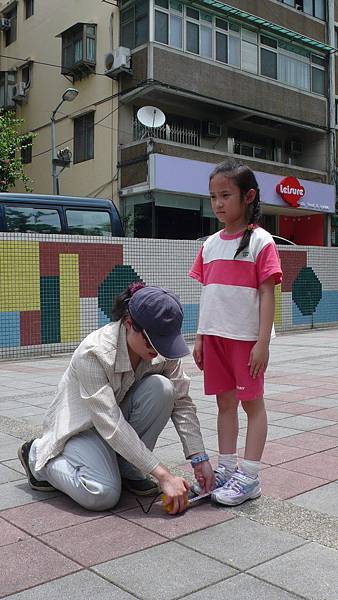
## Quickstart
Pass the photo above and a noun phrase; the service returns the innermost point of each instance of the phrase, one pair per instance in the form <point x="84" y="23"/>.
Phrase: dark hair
<point x="245" y="179"/>
<point x="120" y="306"/>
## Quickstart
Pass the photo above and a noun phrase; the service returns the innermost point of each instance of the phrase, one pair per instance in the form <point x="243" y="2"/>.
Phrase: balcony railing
<point x="170" y="133"/>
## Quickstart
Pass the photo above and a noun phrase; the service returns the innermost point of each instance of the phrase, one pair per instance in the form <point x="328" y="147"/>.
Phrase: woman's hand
<point x="175" y="489"/>
<point x="198" y="351"/>
<point x="205" y="476"/>
<point x="259" y="358"/>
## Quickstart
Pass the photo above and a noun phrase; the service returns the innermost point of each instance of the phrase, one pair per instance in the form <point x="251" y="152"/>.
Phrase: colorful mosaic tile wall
<point x="54" y="290"/>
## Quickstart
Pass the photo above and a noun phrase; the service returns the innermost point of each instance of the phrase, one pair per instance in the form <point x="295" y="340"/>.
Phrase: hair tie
<point x="250" y="227"/>
<point x="134" y="287"/>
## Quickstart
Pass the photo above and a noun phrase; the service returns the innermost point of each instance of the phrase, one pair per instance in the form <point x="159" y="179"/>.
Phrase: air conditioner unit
<point x="117" y="61"/>
<point x="19" y="91"/>
<point x="293" y="147"/>
<point x="5" y="24"/>
<point x="212" y="129"/>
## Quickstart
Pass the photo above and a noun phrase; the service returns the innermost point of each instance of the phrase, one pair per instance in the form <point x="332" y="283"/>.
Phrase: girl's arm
<point x="259" y="356"/>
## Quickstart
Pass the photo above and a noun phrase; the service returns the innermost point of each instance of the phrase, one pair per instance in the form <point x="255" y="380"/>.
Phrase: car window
<point x="89" y="222"/>
<point x="26" y="219"/>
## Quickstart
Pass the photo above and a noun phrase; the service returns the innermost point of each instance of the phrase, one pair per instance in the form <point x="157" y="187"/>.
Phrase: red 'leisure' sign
<point x="290" y="190"/>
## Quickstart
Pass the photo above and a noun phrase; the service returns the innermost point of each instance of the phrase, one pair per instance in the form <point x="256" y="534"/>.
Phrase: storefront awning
<point x="192" y="178"/>
<point x="260" y="22"/>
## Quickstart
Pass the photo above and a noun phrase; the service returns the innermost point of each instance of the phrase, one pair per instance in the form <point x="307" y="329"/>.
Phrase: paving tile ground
<point x="283" y="546"/>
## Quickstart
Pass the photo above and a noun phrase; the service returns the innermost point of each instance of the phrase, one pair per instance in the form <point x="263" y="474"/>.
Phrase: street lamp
<point x="68" y="96"/>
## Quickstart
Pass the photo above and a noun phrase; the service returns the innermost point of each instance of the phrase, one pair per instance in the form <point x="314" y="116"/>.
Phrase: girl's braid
<point x="254" y="215"/>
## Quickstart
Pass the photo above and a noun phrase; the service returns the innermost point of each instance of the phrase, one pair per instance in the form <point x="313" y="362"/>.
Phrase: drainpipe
<point x="331" y="108"/>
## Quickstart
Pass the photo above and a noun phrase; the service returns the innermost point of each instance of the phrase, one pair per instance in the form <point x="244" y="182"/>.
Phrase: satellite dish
<point x="150" y="116"/>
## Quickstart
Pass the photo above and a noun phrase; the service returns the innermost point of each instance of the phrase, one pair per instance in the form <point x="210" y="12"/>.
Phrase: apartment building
<point x="45" y="48"/>
<point x="250" y="78"/>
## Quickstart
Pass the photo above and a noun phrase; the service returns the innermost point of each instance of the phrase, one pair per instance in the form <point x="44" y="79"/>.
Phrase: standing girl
<point x="239" y="268"/>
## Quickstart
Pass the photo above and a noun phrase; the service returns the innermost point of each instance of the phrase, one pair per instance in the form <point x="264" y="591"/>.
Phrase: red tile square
<point x="291" y="265"/>
<point x="199" y="517"/>
<point x="49" y="515"/>
<point x="128" y="501"/>
<point x="294" y="408"/>
<point x="277" y="454"/>
<point x="271" y="404"/>
<point x="318" y="465"/>
<point x="10" y="534"/>
<point x="310" y="441"/>
<point x="331" y="430"/>
<point x="332" y="452"/>
<point x="301" y="394"/>
<point x="101" y="540"/>
<point x="30" y="563"/>
<point x="326" y="413"/>
<point x="283" y="484"/>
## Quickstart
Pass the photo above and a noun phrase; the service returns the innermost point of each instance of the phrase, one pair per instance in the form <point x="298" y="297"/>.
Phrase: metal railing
<point x="171" y="133"/>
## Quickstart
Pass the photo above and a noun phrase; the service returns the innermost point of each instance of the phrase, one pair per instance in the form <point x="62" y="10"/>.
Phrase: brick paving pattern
<point x="282" y="546"/>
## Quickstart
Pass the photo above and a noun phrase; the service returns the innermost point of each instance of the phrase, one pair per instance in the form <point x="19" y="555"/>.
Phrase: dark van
<point x="37" y="213"/>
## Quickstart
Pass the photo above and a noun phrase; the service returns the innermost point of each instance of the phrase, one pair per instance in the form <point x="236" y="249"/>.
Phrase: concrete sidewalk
<point x="280" y="547"/>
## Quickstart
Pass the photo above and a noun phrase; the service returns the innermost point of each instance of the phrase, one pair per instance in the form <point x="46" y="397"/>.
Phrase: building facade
<point x="45" y="48"/>
<point x="246" y="78"/>
<point x="254" y="79"/>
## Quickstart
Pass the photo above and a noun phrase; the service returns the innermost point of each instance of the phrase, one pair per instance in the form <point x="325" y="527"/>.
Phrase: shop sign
<point x="290" y="190"/>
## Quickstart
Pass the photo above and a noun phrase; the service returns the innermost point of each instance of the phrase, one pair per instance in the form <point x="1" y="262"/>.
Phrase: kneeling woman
<point x="124" y="381"/>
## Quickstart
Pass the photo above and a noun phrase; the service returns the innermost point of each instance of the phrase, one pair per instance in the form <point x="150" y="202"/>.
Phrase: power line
<point x="142" y="83"/>
<point x="71" y="139"/>
<point x="40" y="62"/>
<point x="79" y="111"/>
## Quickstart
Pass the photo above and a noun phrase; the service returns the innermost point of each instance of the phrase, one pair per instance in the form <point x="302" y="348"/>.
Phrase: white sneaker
<point x="238" y="489"/>
<point x="222" y="475"/>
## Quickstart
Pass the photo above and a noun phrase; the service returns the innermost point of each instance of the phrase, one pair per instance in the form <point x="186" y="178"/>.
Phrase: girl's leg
<point x="227" y="422"/>
<point x="256" y="430"/>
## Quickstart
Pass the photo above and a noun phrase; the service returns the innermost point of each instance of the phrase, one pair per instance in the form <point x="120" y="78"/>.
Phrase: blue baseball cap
<point x="159" y="313"/>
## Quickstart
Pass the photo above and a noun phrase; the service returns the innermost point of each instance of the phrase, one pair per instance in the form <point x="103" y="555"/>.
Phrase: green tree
<point x="11" y="144"/>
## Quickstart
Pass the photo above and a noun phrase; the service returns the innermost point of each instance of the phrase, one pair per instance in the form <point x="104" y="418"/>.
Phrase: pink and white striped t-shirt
<point x="229" y="304"/>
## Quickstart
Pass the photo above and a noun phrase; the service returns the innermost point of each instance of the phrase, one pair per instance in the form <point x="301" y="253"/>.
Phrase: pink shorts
<point x="225" y="365"/>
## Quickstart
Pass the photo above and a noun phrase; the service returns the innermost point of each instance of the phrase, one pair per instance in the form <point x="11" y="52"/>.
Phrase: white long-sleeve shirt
<point x="95" y="383"/>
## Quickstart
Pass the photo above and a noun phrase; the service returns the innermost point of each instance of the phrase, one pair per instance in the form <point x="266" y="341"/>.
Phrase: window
<point x="318" y="79"/>
<point x="26" y="150"/>
<point x="7" y="80"/>
<point x="88" y="222"/>
<point x="79" y="50"/>
<point x="161" y="27"/>
<point x="84" y="138"/>
<point x="316" y="8"/>
<point x="247" y="144"/>
<point x="32" y="220"/>
<point x="10" y="34"/>
<point x="134" y="24"/>
<point x="192" y="34"/>
<point x="227" y="42"/>
<point x="269" y="57"/>
<point x="294" y="71"/>
<point x="249" y="51"/>
<point x="29" y="8"/>
<point x="26" y="74"/>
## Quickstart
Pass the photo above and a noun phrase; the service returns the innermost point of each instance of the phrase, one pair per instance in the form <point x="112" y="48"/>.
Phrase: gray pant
<point x="88" y="469"/>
